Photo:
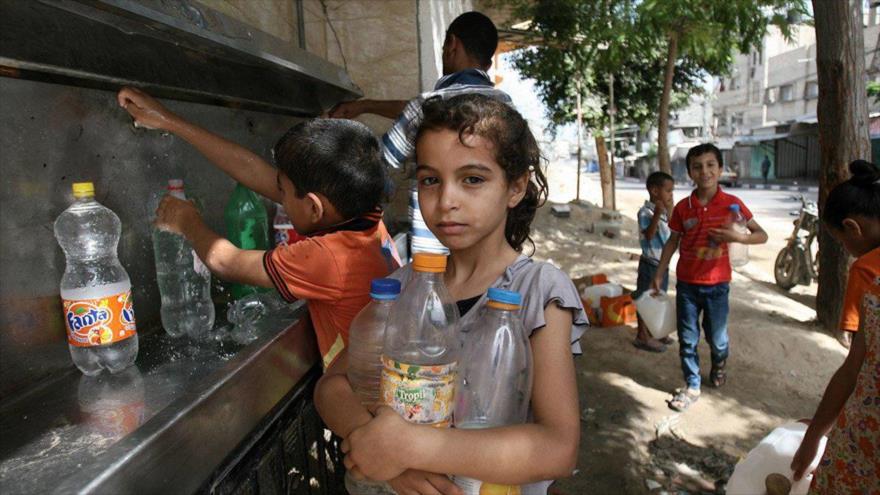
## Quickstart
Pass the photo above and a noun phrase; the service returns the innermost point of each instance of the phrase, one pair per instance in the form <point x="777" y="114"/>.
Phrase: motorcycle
<point x="797" y="263"/>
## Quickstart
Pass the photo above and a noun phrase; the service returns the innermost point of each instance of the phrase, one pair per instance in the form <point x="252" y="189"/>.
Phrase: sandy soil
<point x="779" y="365"/>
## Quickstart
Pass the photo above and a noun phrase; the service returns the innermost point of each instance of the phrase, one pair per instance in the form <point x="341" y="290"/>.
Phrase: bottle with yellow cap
<point x="420" y="356"/>
<point x="495" y="382"/>
<point x="95" y="288"/>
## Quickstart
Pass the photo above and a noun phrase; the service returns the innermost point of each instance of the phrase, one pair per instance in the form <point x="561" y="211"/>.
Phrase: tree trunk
<point x="605" y="174"/>
<point x="843" y="131"/>
<point x="663" y="124"/>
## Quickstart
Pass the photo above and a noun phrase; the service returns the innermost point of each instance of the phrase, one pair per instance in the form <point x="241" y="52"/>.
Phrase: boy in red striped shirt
<point x="701" y="227"/>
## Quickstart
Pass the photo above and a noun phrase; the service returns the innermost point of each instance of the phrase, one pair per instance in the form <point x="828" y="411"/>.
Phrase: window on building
<point x="771" y="95"/>
<point x="786" y="92"/>
<point x="734" y="83"/>
<point x="756" y="92"/>
<point x="811" y="90"/>
<point x="737" y="120"/>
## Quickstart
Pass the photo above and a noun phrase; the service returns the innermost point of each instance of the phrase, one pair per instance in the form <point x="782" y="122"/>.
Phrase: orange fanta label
<point x="99" y="321"/>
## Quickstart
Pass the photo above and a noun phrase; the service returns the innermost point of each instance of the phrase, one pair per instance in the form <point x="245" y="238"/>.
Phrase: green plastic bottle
<point x="247" y="226"/>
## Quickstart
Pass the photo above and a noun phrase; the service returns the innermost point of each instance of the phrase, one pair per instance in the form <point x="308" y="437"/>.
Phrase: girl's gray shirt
<point x="540" y="284"/>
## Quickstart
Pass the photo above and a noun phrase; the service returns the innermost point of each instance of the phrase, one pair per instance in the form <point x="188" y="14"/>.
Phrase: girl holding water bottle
<point x="480" y="185"/>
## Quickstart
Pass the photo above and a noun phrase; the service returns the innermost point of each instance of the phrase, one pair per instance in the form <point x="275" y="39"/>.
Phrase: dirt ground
<point x="631" y="442"/>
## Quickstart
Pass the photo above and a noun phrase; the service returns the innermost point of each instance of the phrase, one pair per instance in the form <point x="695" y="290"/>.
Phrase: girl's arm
<point x="836" y="394"/>
<point x="545" y="449"/>
<point x="342" y="411"/>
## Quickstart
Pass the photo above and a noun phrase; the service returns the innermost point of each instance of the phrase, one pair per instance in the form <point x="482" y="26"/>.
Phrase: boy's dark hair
<point x="516" y="150"/>
<point x="478" y="35"/>
<point x="860" y="195"/>
<point x="334" y="157"/>
<point x="657" y="179"/>
<point x="702" y="149"/>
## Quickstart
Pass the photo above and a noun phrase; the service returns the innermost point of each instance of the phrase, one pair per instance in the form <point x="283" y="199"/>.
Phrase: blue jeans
<point x="691" y="300"/>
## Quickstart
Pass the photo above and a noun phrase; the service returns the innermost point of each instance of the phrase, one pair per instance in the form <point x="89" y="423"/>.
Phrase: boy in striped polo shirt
<point x="653" y="234"/>
<point x="701" y="225"/>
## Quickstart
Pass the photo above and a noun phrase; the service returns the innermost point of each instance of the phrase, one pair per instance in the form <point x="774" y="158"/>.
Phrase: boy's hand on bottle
<point x="804" y="457"/>
<point x="146" y="110"/>
<point x="174" y="214"/>
<point x="726" y="234"/>
<point x="380" y="449"/>
<point x="413" y="482"/>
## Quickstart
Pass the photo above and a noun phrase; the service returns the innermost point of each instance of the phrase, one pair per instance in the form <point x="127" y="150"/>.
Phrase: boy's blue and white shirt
<point x="398" y="144"/>
<point x="652" y="248"/>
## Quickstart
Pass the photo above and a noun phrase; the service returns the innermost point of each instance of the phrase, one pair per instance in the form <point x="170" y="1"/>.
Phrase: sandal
<point x="648" y="345"/>
<point x="667" y="340"/>
<point x="717" y="376"/>
<point x="682" y="400"/>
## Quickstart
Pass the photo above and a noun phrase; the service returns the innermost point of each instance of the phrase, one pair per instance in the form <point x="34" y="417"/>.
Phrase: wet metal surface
<point x="162" y="426"/>
<point x="53" y="135"/>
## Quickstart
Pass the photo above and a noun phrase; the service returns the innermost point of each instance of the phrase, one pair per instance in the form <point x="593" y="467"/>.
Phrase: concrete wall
<point x="275" y="17"/>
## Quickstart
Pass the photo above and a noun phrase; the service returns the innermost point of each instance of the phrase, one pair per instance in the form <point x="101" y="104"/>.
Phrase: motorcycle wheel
<point x="785" y="268"/>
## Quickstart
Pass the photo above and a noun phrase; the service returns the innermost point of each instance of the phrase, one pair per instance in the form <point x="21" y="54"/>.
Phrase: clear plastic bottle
<point x="366" y="340"/>
<point x="738" y="252"/>
<point x="95" y="289"/>
<point x="184" y="281"/>
<point x="495" y="383"/>
<point x="247" y="227"/>
<point x="420" y="357"/>
<point x="285" y="233"/>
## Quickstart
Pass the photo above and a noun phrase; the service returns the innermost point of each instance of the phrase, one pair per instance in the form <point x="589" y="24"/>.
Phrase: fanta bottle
<point x="95" y="289"/>
<point x="496" y="377"/>
<point x="420" y="356"/>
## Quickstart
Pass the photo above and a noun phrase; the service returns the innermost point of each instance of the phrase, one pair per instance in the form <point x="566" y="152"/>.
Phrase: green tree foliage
<point x="589" y="39"/>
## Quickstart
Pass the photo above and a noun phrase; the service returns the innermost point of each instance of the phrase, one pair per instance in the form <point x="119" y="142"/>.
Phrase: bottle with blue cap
<point x="737" y="252"/>
<point x="495" y="384"/>
<point x="366" y="339"/>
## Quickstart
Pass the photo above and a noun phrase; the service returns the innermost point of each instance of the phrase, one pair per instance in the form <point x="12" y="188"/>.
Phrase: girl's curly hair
<point x="516" y="149"/>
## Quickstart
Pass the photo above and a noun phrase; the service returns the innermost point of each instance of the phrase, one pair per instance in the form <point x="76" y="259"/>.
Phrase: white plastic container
<point x="594" y="293"/>
<point x="738" y="253"/>
<point x="658" y="313"/>
<point x="773" y="455"/>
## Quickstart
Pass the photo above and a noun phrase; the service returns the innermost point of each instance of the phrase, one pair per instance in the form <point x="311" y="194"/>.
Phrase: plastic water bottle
<point x="285" y="233"/>
<point x="246" y="227"/>
<point x="420" y="357"/>
<point x="738" y="252"/>
<point x="95" y="289"/>
<point x="366" y="339"/>
<point x="184" y="281"/>
<point x="496" y="377"/>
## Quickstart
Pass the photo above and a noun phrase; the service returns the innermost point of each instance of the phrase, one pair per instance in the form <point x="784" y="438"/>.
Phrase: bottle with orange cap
<point x="420" y="356"/>
<point x="496" y="377"/>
